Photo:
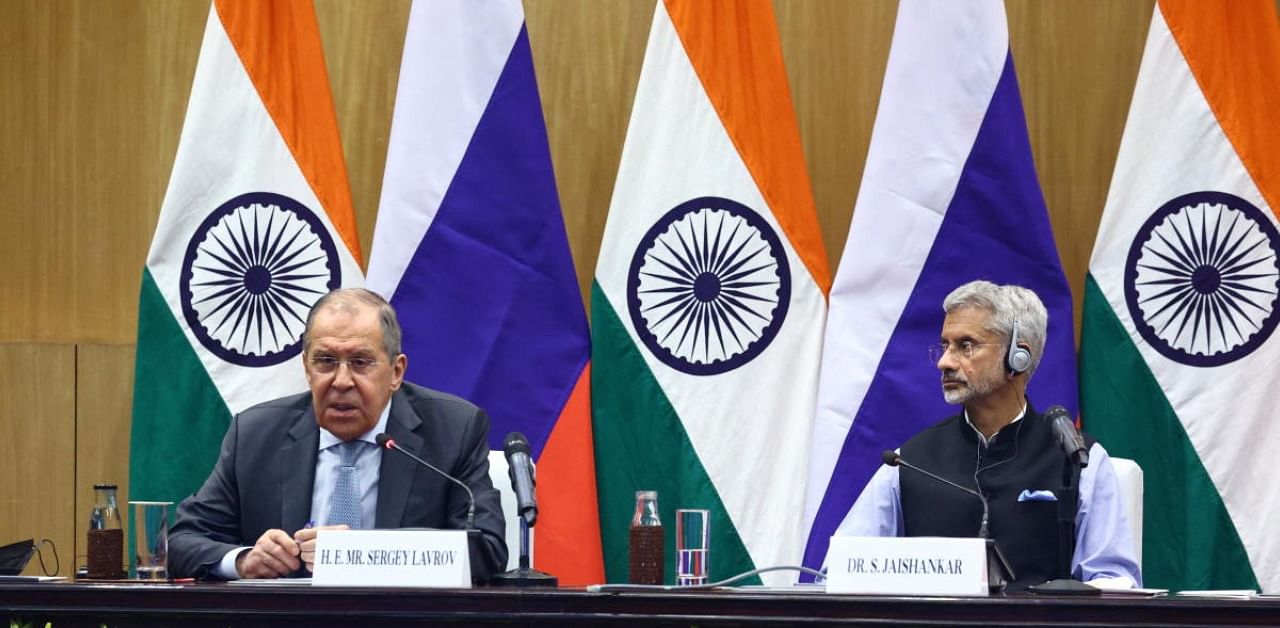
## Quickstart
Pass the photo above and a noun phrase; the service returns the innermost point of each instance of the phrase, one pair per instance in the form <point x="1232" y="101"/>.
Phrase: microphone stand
<point x="524" y="576"/>
<point x="1068" y="503"/>
<point x="999" y="572"/>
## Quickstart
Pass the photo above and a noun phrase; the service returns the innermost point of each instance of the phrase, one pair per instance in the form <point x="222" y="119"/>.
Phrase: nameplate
<point x="907" y="566"/>
<point x="392" y="558"/>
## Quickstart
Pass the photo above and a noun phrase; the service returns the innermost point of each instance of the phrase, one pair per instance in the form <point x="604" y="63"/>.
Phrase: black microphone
<point x="520" y="468"/>
<point x="1064" y="427"/>
<point x="390" y="443"/>
<point x="891" y="458"/>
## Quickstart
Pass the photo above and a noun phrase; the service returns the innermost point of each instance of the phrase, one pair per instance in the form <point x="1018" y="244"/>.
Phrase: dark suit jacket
<point x="264" y="475"/>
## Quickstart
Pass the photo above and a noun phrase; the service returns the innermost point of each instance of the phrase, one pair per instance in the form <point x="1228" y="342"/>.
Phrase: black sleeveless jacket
<point x="1024" y="455"/>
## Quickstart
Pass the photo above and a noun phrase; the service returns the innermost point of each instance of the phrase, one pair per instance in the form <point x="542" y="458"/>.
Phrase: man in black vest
<point x="991" y="343"/>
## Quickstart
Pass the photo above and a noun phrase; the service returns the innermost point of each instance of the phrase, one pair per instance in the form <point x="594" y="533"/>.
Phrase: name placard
<point x="907" y="565"/>
<point x="392" y="558"/>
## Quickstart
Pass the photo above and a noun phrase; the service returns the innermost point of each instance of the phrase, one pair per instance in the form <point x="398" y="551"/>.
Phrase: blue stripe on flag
<point x="489" y="302"/>
<point x="996" y="228"/>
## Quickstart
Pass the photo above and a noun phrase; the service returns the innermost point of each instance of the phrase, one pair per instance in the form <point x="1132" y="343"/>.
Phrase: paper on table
<point x="269" y="582"/>
<point x="1242" y="594"/>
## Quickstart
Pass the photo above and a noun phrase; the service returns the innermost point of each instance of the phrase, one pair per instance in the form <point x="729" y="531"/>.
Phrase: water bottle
<point x="106" y="536"/>
<point x="646" y="540"/>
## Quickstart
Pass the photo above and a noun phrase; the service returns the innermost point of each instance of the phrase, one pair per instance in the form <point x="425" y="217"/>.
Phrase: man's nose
<point x="947" y="361"/>
<point x="343" y="377"/>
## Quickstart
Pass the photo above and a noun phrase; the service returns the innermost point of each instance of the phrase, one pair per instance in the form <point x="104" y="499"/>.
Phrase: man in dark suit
<point x="304" y="463"/>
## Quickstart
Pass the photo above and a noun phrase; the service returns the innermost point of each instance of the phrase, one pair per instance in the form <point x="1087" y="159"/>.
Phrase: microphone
<point x="390" y="443"/>
<point x="891" y="458"/>
<point x="520" y="468"/>
<point x="1064" y="427"/>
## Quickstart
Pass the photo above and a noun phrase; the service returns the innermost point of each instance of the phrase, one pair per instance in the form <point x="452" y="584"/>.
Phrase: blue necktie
<point x="344" y="506"/>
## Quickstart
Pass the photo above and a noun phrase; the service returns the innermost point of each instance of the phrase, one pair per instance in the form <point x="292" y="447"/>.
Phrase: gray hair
<point x="1006" y="304"/>
<point x="347" y="299"/>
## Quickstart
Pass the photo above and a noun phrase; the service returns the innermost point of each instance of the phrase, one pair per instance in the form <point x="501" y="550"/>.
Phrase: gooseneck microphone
<point x="891" y="458"/>
<point x="1064" y="427"/>
<point x="520" y="468"/>
<point x="390" y="443"/>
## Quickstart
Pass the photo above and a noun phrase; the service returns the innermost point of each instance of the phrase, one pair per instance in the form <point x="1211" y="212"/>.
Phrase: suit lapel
<point x="298" y="471"/>
<point x="395" y="475"/>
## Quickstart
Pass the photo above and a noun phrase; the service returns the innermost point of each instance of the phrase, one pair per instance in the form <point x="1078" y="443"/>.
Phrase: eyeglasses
<point x="964" y="349"/>
<point x="327" y="364"/>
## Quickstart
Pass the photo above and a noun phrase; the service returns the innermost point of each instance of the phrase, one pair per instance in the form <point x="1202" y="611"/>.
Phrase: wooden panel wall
<point x="92" y="99"/>
<point x="104" y="384"/>
<point x="38" y="447"/>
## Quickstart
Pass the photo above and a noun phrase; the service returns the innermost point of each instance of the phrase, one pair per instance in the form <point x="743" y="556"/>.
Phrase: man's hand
<point x="274" y="555"/>
<point x="306" y="539"/>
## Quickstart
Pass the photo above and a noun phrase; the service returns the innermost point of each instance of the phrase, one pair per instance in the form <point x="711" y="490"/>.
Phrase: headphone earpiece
<point x="1017" y="359"/>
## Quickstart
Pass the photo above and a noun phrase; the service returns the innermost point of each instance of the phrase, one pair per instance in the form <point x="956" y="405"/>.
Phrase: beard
<point x="981" y="385"/>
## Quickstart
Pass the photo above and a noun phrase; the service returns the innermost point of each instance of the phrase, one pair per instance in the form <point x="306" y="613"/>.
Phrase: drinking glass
<point x="693" y="544"/>
<point x="150" y="522"/>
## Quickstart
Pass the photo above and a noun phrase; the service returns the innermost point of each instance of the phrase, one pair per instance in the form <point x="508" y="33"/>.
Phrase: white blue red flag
<point x="470" y="248"/>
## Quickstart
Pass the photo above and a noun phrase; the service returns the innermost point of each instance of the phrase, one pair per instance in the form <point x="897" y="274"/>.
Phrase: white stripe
<point x="1174" y="145"/>
<point x="749" y="426"/>
<point x="454" y="52"/>
<point x="229" y="146"/>
<point x="943" y="68"/>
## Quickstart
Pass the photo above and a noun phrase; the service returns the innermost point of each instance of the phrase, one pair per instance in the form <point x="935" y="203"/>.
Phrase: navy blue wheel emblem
<point x="1202" y="279"/>
<point x="252" y="271"/>
<point x="709" y="286"/>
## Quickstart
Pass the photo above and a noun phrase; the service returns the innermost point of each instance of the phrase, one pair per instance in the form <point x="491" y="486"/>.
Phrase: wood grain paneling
<point x="104" y="394"/>
<point x="587" y="54"/>
<point x="835" y="53"/>
<point x="1077" y="69"/>
<point x="38" y="448"/>
<point x="362" y="46"/>
<point x="89" y="121"/>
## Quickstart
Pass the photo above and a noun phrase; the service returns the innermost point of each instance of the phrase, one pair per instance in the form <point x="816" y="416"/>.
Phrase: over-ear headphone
<point x="1017" y="358"/>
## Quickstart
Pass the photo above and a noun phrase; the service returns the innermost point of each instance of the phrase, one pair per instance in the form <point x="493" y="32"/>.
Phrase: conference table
<point x="223" y="604"/>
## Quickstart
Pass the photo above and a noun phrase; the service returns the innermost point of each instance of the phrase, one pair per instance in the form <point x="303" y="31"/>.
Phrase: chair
<point x="1129" y="476"/>
<point x="501" y="481"/>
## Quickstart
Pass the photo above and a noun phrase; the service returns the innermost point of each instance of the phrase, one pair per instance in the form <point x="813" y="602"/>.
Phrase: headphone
<point x="1017" y="359"/>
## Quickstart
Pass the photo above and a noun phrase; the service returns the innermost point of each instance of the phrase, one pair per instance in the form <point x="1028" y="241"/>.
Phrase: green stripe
<point x="1189" y="541"/>
<point x="178" y="416"/>
<point x="641" y="444"/>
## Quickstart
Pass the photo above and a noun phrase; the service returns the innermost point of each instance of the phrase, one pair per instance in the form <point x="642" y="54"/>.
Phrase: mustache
<point x="951" y="376"/>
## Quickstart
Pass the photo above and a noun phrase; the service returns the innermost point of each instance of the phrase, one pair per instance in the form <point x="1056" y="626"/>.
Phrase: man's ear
<point x="398" y="367"/>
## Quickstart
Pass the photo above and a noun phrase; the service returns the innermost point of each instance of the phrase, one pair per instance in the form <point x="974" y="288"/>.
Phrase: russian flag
<point x="470" y="248"/>
<point x="949" y="195"/>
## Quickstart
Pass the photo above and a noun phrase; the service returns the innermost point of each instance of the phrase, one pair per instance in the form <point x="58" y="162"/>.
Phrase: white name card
<point x="907" y="565"/>
<point x="392" y="558"/>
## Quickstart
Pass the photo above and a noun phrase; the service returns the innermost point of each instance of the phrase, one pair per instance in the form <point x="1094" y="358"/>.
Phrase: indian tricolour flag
<point x="709" y="296"/>
<point x="255" y="226"/>
<point x="1179" y="359"/>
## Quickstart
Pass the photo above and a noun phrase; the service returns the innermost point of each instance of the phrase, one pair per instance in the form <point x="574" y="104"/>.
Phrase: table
<point x="74" y="604"/>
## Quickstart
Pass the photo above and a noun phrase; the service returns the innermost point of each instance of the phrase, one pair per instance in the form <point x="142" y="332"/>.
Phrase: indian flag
<point x="1179" y="359"/>
<point x="709" y="297"/>
<point x="255" y="226"/>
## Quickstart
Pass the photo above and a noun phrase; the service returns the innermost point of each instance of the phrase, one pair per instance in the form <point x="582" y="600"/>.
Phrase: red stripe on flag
<point x="567" y="537"/>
